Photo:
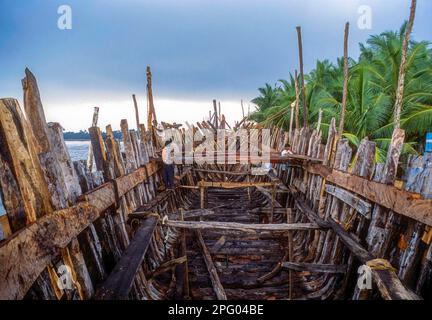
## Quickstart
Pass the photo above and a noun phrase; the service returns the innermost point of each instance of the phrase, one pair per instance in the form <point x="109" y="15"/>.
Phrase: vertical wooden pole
<point x="186" y="289"/>
<point x="273" y="199"/>
<point x="297" y="101"/>
<point x="291" y="119"/>
<point x="215" y="114"/>
<point x="319" y="120"/>
<point x="305" y="107"/>
<point x="136" y="112"/>
<point x="345" y="85"/>
<point x="290" y="252"/>
<point x="403" y="66"/>
<point x="243" y="112"/>
<point x="202" y="197"/>
<point x="90" y="150"/>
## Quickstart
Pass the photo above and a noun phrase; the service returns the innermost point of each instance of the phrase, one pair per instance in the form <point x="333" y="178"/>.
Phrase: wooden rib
<point x="120" y="281"/>
<point x="214" y="277"/>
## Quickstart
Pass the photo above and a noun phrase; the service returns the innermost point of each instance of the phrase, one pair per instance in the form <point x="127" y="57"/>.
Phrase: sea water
<point x="78" y="150"/>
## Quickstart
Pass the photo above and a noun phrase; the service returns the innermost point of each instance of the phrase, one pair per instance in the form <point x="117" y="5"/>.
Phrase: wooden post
<point x="25" y="191"/>
<point x="291" y="119"/>
<point x="215" y="114"/>
<point x="290" y="251"/>
<point x="319" y="120"/>
<point x="305" y="107"/>
<point x="129" y="150"/>
<point x="136" y="113"/>
<point x="34" y="112"/>
<point x="345" y="85"/>
<point x="90" y="150"/>
<point x="98" y="147"/>
<point x="243" y="112"/>
<point x="403" y="66"/>
<point x="186" y="289"/>
<point x="202" y="197"/>
<point x="297" y="101"/>
<point x="273" y="199"/>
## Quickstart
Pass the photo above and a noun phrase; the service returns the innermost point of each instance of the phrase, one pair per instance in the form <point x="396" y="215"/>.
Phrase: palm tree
<point x="371" y="93"/>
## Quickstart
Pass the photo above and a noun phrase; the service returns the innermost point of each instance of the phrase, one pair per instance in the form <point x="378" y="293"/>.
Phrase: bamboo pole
<point x="403" y="66"/>
<point x="300" y="48"/>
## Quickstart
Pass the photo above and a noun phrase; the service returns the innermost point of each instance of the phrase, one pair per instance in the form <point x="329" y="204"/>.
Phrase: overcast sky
<point x="198" y="50"/>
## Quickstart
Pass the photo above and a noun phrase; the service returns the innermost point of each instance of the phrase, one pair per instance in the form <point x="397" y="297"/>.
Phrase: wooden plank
<point x="191" y="214"/>
<point x="25" y="191"/>
<point x="34" y="111"/>
<point x="249" y="228"/>
<point x="311" y="215"/>
<point x="389" y="285"/>
<point x="361" y="206"/>
<point x="403" y="202"/>
<point x="26" y="253"/>
<point x="214" y="277"/>
<point x="233" y="185"/>
<point x="315" y="267"/>
<point x="120" y="281"/>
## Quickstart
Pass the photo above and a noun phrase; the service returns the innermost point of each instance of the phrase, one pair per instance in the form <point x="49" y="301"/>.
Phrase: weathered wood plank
<point x="25" y="192"/>
<point x="249" y="228"/>
<point x="352" y="200"/>
<point x="315" y="267"/>
<point x="405" y="203"/>
<point x="26" y="253"/>
<point x="214" y="277"/>
<point x="120" y="281"/>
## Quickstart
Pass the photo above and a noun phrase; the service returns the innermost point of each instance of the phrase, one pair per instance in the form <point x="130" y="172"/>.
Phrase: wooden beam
<point x="231" y="173"/>
<point x="191" y="214"/>
<point x="389" y="284"/>
<point x="314" y="267"/>
<point x="249" y="228"/>
<point x="403" y="202"/>
<point x="214" y="277"/>
<point x="28" y="252"/>
<point x="233" y="185"/>
<point x="22" y="255"/>
<point x="361" y="206"/>
<point x="120" y="281"/>
<point x="311" y="215"/>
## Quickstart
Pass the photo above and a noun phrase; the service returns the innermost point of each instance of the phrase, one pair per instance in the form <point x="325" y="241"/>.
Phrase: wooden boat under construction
<point x="321" y="225"/>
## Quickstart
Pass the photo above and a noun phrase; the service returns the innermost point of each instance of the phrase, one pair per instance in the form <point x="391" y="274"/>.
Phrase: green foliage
<point x="371" y="93"/>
